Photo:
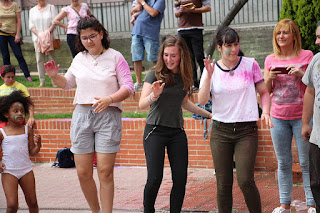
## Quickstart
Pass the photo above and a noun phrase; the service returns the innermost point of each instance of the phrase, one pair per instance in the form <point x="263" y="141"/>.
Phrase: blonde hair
<point x="292" y="27"/>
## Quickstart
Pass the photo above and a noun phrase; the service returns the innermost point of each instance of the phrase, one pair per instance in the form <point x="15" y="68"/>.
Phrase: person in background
<point x="40" y="24"/>
<point x="287" y="92"/>
<point x="145" y="35"/>
<point x="165" y="90"/>
<point x="10" y="27"/>
<point x="96" y="121"/>
<point x="8" y="73"/>
<point x="135" y="13"/>
<point x="73" y="12"/>
<point x="233" y="82"/>
<point x="311" y="109"/>
<point x="190" y="29"/>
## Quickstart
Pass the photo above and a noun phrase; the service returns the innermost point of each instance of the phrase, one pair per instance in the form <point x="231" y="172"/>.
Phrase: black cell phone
<point x="282" y="69"/>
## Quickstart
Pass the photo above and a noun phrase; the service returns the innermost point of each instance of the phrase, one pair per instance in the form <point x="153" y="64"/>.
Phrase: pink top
<point x="100" y="79"/>
<point x="234" y="97"/>
<point x="73" y="17"/>
<point x="288" y="90"/>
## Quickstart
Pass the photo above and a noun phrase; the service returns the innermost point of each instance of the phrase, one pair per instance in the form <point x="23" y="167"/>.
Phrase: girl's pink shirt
<point x="288" y="90"/>
<point x="73" y="17"/>
<point x="111" y="73"/>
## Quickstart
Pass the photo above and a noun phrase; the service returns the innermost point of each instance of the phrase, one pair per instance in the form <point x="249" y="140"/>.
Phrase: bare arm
<point x="31" y="120"/>
<point x="203" y="9"/>
<point x="52" y="70"/>
<point x="204" y="93"/>
<point x="34" y="142"/>
<point x="151" y="11"/>
<point x="17" y="37"/>
<point x="191" y="107"/>
<point x="58" y="18"/>
<point x="307" y="112"/>
<point x="265" y="102"/>
<point x="150" y="93"/>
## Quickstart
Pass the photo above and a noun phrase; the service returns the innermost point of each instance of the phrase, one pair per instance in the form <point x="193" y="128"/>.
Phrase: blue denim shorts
<point x="139" y="44"/>
<point x="95" y="132"/>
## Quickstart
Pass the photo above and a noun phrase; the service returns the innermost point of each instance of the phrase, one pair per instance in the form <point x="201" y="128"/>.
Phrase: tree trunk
<point x="225" y="22"/>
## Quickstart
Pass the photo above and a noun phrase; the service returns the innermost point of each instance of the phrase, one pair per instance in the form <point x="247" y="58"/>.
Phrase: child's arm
<point x="31" y="120"/>
<point x="34" y="142"/>
<point x="2" y="166"/>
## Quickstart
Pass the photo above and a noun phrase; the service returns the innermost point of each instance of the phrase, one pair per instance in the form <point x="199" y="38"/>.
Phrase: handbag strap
<point x="76" y="11"/>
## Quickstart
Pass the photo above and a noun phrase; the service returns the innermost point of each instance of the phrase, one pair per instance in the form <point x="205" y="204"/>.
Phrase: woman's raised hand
<point x="51" y="69"/>
<point x="157" y="87"/>
<point x="209" y="66"/>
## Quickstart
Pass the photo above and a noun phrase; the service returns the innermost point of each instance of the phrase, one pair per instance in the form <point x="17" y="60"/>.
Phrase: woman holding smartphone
<point x="284" y="70"/>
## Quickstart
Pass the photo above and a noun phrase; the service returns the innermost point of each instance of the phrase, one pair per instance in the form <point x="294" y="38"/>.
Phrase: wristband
<point x="111" y="98"/>
<point x="143" y="3"/>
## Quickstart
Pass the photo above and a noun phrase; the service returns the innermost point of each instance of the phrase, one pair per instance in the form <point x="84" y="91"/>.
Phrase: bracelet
<point x="151" y="98"/>
<point x="111" y="98"/>
<point x="265" y="113"/>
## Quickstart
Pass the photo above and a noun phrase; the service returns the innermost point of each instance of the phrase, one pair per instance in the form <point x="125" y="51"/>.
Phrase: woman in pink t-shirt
<point x="284" y="70"/>
<point x="73" y="12"/>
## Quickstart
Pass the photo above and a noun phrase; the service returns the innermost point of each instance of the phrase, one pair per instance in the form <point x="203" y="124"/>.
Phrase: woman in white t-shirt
<point x="233" y="82"/>
<point x="40" y="22"/>
<point x="287" y="91"/>
<point x="73" y="12"/>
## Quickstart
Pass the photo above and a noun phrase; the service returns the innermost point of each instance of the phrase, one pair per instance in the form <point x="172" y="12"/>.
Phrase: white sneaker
<point x="312" y="210"/>
<point x="281" y="209"/>
<point x="137" y="87"/>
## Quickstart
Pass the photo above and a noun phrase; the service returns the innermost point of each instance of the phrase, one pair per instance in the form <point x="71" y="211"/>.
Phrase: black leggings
<point x="71" y="40"/>
<point x="314" y="159"/>
<point x="155" y="139"/>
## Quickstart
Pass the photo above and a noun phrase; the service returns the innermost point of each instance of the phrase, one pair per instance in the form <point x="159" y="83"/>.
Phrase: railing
<point x="115" y="16"/>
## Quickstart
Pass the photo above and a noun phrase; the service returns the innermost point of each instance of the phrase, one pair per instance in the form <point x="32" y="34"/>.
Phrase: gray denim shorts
<point x="95" y="132"/>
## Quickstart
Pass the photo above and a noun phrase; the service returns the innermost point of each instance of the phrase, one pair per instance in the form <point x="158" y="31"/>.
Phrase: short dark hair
<point x="91" y="22"/>
<point x="6" y="69"/>
<point x="227" y="35"/>
<point x="8" y="100"/>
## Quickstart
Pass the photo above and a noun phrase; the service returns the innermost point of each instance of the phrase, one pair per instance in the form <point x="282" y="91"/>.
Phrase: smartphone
<point x="282" y="69"/>
<point x="189" y="5"/>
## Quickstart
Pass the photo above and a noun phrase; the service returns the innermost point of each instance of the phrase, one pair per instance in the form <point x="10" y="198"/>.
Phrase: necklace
<point x="231" y="71"/>
<point x="95" y="58"/>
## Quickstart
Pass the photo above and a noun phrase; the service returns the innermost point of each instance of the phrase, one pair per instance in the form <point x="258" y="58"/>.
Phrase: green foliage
<point x="306" y="13"/>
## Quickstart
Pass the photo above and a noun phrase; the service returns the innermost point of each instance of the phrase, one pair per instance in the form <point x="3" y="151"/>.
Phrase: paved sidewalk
<point x="58" y="191"/>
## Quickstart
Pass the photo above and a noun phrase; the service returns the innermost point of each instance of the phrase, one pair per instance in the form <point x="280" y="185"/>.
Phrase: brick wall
<point x="55" y="134"/>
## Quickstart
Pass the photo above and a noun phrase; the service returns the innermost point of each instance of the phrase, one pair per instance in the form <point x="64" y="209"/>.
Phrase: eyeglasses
<point x="91" y="37"/>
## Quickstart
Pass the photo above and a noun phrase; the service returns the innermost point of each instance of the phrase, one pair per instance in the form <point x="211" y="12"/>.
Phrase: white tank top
<point x="16" y="151"/>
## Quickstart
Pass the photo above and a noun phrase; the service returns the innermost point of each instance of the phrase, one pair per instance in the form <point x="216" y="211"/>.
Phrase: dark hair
<point x="185" y="67"/>
<point x="91" y="22"/>
<point x="6" y="69"/>
<point x="227" y="35"/>
<point x="8" y="100"/>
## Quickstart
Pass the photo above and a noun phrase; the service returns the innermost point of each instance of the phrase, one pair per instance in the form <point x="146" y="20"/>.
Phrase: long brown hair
<point x="292" y="27"/>
<point x="185" y="67"/>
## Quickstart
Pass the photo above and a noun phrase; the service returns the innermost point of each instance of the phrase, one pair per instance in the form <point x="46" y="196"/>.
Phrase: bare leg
<point x="28" y="186"/>
<point x="105" y="172"/>
<point x="10" y="188"/>
<point x="84" y="167"/>
<point x="137" y="65"/>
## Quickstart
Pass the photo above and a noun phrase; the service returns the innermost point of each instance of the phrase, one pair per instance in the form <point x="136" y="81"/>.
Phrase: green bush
<point x="306" y="13"/>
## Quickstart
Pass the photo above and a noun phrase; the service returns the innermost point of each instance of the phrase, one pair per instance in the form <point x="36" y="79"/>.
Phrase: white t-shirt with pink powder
<point x="234" y="97"/>
<point x="73" y="17"/>
<point x="288" y="90"/>
<point x="101" y="79"/>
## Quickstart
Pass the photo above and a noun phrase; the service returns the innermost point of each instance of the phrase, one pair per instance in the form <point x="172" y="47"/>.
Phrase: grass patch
<point x="36" y="81"/>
